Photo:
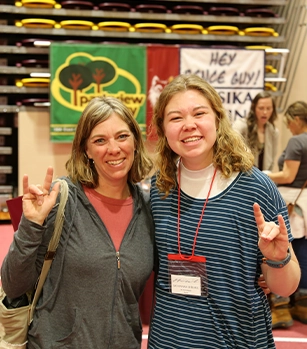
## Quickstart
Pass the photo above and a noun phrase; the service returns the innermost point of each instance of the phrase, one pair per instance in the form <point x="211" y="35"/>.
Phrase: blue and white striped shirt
<point x="235" y="314"/>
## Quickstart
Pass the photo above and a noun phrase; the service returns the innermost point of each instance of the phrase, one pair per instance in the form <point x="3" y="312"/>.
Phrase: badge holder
<point x="187" y="275"/>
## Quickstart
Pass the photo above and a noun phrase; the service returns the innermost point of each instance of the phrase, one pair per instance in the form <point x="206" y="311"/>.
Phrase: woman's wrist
<point x="277" y="264"/>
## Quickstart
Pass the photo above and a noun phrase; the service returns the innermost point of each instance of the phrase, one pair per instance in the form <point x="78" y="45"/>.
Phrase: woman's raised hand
<point x="273" y="238"/>
<point x="37" y="201"/>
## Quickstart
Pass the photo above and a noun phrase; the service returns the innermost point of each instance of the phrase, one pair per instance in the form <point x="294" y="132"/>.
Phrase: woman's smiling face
<point x="190" y="128"/>
<point x="111" y="146"/>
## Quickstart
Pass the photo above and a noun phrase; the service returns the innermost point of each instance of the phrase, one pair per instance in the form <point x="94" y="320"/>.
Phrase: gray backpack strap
<point x="53" y="244"/>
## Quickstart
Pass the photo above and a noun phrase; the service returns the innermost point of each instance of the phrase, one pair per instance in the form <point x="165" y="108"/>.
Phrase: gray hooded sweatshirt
<point x="89" y="300"/>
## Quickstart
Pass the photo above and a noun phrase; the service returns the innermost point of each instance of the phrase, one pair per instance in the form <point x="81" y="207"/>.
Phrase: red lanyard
<point x="200" y="219"/>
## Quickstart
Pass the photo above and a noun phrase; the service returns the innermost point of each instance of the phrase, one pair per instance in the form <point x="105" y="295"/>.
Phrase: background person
<point x="210" y="241"/>
<point x="105" y="254"/>
<point x="290" y="178"/>
<point x="259" y="131"/>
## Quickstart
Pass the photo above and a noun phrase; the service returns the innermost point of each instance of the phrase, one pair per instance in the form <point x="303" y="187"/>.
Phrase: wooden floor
<point x="293" y="338"/>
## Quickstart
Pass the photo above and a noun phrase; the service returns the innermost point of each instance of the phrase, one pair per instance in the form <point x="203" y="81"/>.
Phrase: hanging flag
<point x="82" y="72"/>
<point x="136" y="74"/>
<point x="162" y="67"/>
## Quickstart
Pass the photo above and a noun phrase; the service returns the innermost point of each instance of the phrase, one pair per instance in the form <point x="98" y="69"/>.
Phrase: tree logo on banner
<point x="83" y="77"/>
<point x="79" y="77"/>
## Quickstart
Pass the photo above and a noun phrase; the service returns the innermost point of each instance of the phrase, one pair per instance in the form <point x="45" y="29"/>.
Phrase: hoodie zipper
<point x="118" y="259"/>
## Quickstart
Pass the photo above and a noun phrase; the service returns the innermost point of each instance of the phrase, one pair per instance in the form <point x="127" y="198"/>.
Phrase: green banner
<point x="82" y="72"/>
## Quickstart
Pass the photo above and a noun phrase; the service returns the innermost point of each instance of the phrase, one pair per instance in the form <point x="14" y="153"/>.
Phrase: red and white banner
<point x="162" y="67"/>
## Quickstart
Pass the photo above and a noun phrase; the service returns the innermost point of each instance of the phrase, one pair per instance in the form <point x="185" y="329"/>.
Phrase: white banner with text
<point x="236" y="74"/>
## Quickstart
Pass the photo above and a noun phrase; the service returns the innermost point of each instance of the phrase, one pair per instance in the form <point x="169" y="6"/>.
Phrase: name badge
<point x="187" y="275"/>
<point x="188" y="285"/>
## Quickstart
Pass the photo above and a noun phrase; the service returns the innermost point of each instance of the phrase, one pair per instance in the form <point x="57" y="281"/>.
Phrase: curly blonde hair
<point x="230" y="153"/>
<point x="79" y="167"/>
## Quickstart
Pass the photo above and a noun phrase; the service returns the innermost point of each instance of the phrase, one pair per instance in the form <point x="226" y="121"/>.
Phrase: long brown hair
<point x="79" y="167"/>
<point x="229" y="151"/>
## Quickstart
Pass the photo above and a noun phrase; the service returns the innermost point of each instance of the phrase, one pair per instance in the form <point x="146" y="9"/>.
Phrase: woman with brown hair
<point x="106" y="250"/>
<point x="259" y="131"/>
<point x="290" y="179"/>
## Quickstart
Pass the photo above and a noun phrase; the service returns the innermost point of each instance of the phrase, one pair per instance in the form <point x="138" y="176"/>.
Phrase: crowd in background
<point x="262" y="136"/>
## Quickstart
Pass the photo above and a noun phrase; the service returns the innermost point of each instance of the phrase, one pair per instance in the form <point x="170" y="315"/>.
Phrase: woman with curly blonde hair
<point x="212" y="239"/>
<point x="229" y="152"/>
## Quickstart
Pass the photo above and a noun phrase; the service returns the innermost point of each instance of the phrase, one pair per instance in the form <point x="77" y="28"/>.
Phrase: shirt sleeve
<point x="293" y="150"/>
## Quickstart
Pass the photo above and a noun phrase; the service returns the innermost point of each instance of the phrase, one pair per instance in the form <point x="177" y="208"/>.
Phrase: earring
<point x="89" y="160"/>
